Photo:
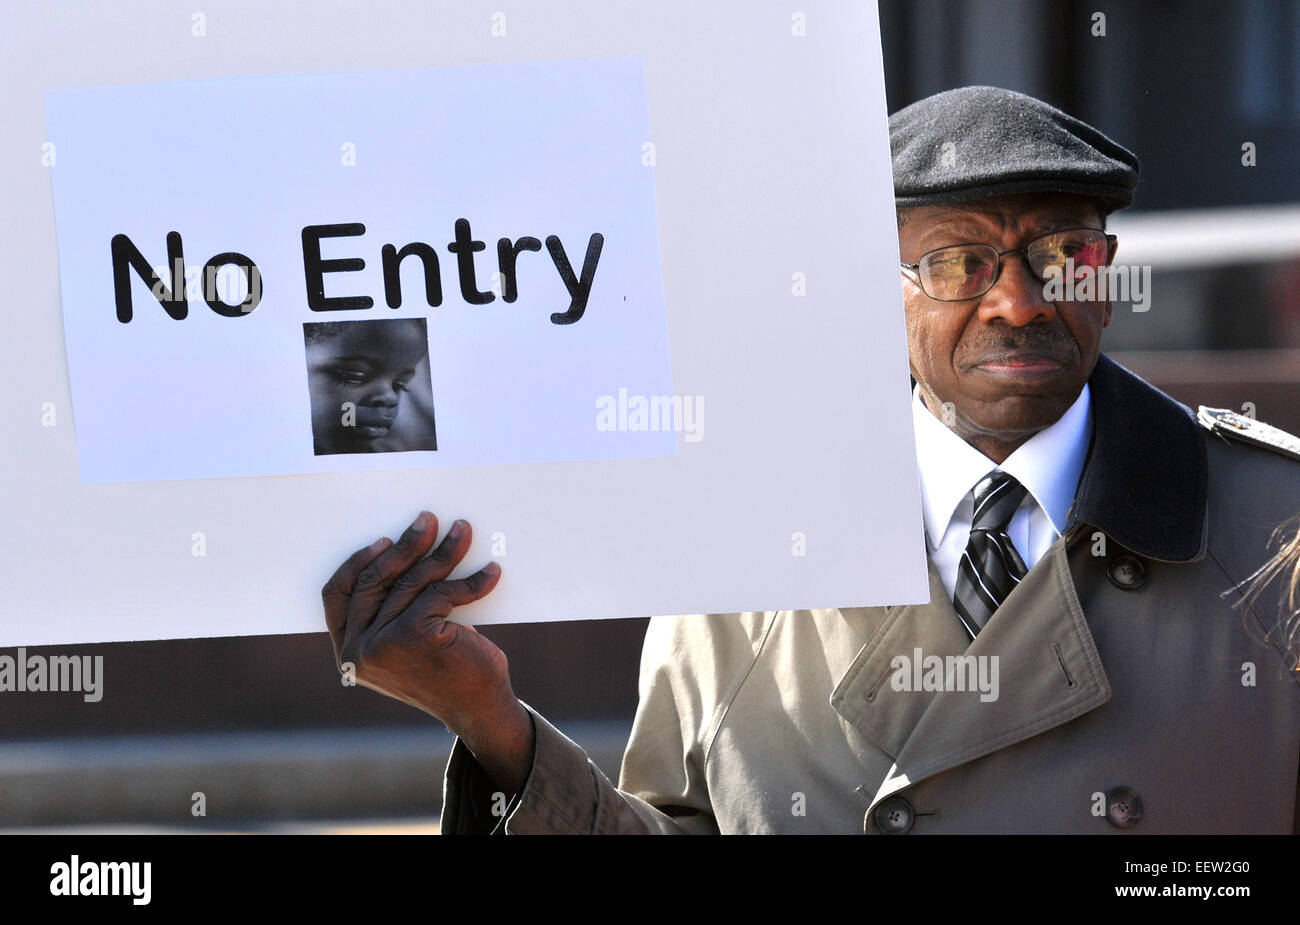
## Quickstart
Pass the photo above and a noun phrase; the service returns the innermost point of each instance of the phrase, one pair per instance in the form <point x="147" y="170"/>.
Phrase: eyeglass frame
<point x="1111" y="242"/>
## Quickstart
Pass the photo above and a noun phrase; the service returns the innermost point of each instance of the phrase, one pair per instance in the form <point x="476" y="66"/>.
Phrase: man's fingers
<point x="375" y="579"/>
<point x="436" y="567"/>
<point x="439" y="599"/>
<point x="339" y="588"/>
<point x="444" y="559"/>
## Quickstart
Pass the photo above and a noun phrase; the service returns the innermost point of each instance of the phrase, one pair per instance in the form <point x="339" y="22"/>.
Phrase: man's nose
<point x="1017" y="297"/>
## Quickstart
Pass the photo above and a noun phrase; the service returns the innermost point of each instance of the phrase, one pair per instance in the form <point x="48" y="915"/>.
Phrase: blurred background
<point x="263" y="729"/>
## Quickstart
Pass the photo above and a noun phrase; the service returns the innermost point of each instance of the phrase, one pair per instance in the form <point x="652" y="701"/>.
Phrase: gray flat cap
<point x="974" y="142"/>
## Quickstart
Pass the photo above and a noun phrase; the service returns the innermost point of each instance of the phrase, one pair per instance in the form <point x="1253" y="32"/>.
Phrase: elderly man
<point x="1082" y="530"/>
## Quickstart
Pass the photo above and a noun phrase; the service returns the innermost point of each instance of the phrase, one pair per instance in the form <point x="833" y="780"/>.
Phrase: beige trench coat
<point x="1133" y="696"/>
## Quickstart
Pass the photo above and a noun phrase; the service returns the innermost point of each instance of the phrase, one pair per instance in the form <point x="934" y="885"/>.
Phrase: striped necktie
<point x="990" y="567"/>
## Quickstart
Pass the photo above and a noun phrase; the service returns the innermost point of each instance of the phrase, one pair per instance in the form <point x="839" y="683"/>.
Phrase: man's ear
<point x="1110" y="308"/>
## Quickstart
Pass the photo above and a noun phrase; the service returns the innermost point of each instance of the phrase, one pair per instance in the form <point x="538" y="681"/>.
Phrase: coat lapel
<point x="1037" y="646"/>
<point x="1048" y="673"/>
<point x="1145" y="485"/>
<point x="865" y="696"/>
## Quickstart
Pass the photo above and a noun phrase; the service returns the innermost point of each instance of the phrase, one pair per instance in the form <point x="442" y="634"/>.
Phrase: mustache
<point x="1017" y="343"/>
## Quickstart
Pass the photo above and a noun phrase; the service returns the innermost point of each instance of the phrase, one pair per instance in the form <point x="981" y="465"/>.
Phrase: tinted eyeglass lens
<point x="959" y="272"/>
<point x="1053" y="253"/>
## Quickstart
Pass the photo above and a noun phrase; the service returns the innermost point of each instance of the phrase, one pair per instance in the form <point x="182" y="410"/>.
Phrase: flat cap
<point x="974" y="142"/>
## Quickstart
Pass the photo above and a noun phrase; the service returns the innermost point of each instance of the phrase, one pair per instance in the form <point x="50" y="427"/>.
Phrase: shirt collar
<point x="1048" y="464"/>
<point x="1145" y="481"/>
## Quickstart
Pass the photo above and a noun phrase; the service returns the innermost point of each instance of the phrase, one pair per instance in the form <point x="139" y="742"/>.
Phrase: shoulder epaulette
<point x="1248" y="430"/>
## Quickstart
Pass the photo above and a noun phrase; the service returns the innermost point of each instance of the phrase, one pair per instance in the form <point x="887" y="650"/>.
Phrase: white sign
<point x="359" y="271"/>
<point x="279" y="293"/>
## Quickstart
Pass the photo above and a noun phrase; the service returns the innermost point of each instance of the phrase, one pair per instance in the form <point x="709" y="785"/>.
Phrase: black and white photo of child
<point x="370" y="386"/>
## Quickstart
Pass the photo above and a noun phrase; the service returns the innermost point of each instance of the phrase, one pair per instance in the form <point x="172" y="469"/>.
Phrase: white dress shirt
<point x="1048" y="464"/>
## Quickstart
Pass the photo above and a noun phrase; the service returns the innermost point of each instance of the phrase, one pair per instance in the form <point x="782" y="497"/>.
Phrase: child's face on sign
<point x="369" y="365"/>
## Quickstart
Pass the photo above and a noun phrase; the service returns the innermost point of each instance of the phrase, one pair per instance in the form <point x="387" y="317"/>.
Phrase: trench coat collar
<point x="1146" y="478"/>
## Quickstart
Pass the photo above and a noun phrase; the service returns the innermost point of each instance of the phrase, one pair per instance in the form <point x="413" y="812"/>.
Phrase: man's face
<point x="1010" y="362"/>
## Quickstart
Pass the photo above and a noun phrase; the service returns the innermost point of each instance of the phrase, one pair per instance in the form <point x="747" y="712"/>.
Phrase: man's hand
<point x="386" y="608"/>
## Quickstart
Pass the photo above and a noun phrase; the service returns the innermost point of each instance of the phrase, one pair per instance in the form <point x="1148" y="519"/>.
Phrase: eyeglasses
<point x="967" y="271"/>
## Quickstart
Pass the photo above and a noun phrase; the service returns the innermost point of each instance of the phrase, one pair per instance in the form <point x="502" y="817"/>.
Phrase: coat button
<point x="1123" y="807"/>
<point x="1126" y="572"/>
<point x="894" y="816"/>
